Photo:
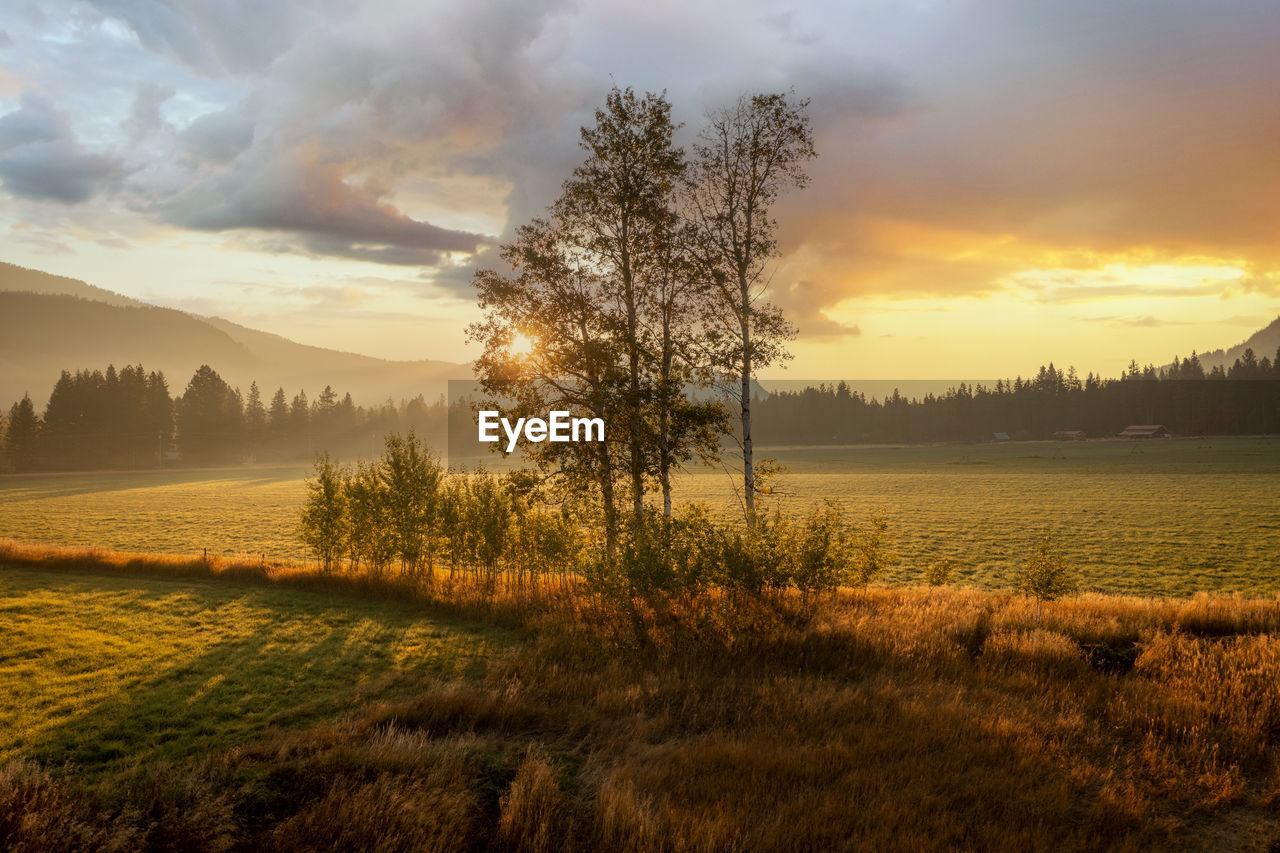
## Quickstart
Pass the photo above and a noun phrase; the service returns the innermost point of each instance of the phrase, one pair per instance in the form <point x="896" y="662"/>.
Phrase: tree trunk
<point x="664" y="417"/>
<point x="635" y="414"/>
<point x="748" y="467"/>
<point x="664" y="470"/>
<point x="610" y="511"/>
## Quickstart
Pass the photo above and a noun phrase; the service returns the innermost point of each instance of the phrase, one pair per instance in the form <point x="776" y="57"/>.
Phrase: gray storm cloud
<point x="313" y="200"/>
<point x="335" y="111"/>
<point x="1053" y="130"/>
<point x="41" y="159"/>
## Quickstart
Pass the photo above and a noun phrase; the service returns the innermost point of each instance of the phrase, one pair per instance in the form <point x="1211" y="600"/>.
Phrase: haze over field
<point x="49" y="324"/>
<point x="997" y="186"/>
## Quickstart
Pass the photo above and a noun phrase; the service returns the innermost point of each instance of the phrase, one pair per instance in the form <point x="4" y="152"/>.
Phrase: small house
<point x="1000" y="436"/>
<point x="1145" y="431"/>
<point x="1069" y="435"/>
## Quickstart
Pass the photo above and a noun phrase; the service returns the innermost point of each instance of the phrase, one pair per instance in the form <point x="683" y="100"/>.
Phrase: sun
<point x="521" y="344"/>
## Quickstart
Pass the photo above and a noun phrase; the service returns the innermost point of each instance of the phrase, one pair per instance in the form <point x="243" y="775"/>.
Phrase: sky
<point x="998" y="184"/>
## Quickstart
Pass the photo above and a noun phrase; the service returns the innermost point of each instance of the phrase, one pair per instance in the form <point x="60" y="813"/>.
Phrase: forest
<point x="128" y="418"/>
<point x="1242" y="400"/>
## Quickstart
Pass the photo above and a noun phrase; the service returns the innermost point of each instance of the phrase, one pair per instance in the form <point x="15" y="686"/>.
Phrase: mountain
<point x="1265" y="341"/>
<point x="16" y="278"/>
<point x="49" y="324"/>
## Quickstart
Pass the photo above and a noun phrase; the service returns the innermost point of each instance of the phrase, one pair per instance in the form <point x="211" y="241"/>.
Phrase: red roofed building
<point x="1145" y="431"/>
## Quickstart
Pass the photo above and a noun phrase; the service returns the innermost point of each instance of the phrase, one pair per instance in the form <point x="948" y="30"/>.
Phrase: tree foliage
<point x="21" y="430"/>
<point x="324" y="525"/>
<point x="1046" y="575"/>
<point x="748" y="154"/>
<point x="625" y="289"/>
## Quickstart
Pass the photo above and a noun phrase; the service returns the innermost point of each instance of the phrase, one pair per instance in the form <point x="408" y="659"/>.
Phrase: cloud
<point x="1250" y="320"/>
<point x="1047" y="134"/>
<point x="1093" y="293"/>
<point x="1145" y="321"/>
<point x="41" y="159"/>
<point x="212" y="36"/>
<point x="315" y="201"/>
<point x="960" y="145"/>
<point x="218" y="136"/>
<point x="144" y="119"/>
<point x="341" y="116"/>
<point x="35" y="120"/>
<point x="805" y="308"/>
<point x="1267" y="283"/>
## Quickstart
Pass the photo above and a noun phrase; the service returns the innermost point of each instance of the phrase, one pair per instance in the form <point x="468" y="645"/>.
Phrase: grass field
<point x="101" y="671"/>
<point x="221" y="711"/>
<point x="1160" y="517"/>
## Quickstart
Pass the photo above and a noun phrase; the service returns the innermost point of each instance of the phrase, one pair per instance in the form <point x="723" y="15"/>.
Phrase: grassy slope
<point x="1164" y="517"/>
<point x="102" y="671"/>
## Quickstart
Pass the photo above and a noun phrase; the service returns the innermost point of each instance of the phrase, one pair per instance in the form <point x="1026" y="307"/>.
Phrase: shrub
<point x="323" y="526"/>
<point x="1046" y="575"/>
<point x="821" y="551"/>
<point x="412" y="475"/>
<point x="938" y="573"/>
<point x="874" y="551"/>
<point x="371" y="539"/>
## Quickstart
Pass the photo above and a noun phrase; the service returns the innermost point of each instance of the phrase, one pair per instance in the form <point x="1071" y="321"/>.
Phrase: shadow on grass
<point x="73" y="484"/>
<point x="319" y="661"/>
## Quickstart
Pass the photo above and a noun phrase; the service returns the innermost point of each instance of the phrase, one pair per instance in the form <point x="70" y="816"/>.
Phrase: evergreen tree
<point x="278" y="419"/>
<point x="255" y="417"/>
<point x="20" y="435"/>
<point x="210" y="420"/>
<point x="300" y="423"/>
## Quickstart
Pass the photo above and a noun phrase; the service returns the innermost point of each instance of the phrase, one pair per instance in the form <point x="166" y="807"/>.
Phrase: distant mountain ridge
<point x="16" y="278"/>
<point x="1263" y="342"/>
<point x="51" y="323"/>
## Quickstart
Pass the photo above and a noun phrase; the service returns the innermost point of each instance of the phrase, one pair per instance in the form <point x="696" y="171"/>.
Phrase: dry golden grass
<point x="899" y="719"/>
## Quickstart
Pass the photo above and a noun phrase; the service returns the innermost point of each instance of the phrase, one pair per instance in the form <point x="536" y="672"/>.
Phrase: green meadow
<point x="102" y="672"/>
<point x="1163" y="517"/>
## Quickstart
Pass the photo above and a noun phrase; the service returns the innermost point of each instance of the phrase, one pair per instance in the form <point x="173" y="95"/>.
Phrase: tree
<point x="552" y="297"/>
<point x="255" y="416"/>
<point x="746" y="156"/>
<point x="210" y="419"/>
<point x="873" y="552"/>
<point x="370" y="538"/>
<point x="1045" y="575"/>
<point x="617" y="209"/>
<point x="685" y="426"/>
<point x="323" y="526"/>
<point x="278" y="415"/>
<point x="21" y="434"/>
<point x="300" y="421"/>
<point x="938" y="572"/>
<point x="412" y="477"/>
<point x="605" y="288"/>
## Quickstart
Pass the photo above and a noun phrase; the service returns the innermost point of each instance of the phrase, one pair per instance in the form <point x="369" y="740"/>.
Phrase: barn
<point x="1145" y="431"/>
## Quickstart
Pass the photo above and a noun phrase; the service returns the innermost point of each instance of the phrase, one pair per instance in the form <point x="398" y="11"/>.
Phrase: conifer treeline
<point x="127" y="419"/>
<point x="1243" y="400"/>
